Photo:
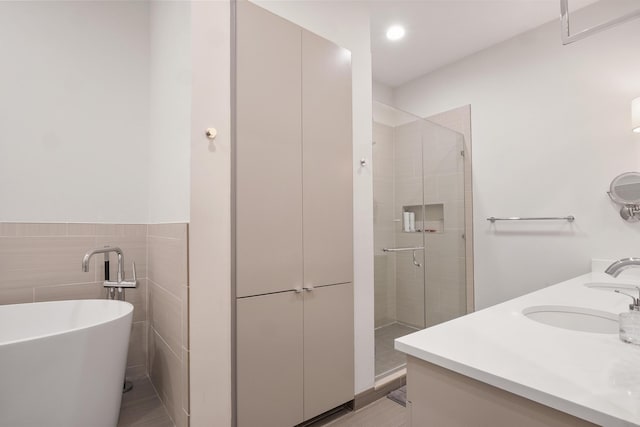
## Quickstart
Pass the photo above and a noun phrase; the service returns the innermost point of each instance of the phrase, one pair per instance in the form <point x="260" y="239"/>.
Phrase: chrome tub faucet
<point x="120" y="284"/>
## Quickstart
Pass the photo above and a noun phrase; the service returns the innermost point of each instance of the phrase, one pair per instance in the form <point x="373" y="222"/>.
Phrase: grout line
<point x="188" y="302"/>
<point x="167" y="290"/>
<point x="154" y="236"/>
<point x="155" y="390"/>
<point x="165" y="343"/>
<point x="146" y="301"/>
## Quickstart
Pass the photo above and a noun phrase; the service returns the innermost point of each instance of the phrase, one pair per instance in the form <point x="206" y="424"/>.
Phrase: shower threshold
<point x="388" y="360"/>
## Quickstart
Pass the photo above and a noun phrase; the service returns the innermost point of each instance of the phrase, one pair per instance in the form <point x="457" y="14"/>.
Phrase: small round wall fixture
<point x="625" y="190"/>
<point x="395" y="32"/>
<point x="211" y="133"/>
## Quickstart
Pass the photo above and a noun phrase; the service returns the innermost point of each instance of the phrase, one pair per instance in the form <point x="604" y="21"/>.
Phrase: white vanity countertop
<point x="592" y="376"/>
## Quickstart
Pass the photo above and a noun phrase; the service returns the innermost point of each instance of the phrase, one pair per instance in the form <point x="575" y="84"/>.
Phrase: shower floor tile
<point x="387" y="358"/>
<point x="141" y="407"/>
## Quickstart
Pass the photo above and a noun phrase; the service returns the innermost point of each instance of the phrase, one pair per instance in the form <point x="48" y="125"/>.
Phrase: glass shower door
<point x="398" y="244"/>
<point x="419" y="245"/>
<point x="444" y="226"/>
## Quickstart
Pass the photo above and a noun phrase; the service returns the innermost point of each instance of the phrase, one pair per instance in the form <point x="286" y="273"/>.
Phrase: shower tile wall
<point x="410" y="292"/>
<point x="399" y="284"/>
<point x="459" y="120"/>
<point x="42" y="262"/>
<point x="384" y="226"/>
<point x="445" y="296"/>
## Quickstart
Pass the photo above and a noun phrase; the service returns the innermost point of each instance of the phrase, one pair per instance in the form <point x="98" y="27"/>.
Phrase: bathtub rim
<point x="128" y="311"/>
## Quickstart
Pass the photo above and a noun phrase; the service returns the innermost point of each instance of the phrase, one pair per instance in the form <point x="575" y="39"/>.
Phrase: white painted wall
<point x="170" y="111"/>
<point x="551" y="129"/>
<point x="95" y="111"/>
<point x="382" y="93"/>
<point x="74" y="111"/>
<point x="347" y="24"/>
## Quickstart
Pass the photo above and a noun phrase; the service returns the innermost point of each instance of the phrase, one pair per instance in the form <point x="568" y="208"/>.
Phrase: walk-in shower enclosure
<point x="419" y="241"/>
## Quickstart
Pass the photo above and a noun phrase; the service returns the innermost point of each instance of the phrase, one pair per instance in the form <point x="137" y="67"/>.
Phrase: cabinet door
<point x="327" y="152"/>
<point x="328" y="348"/>
<point x="269" y="357"/>
<point x="268" y="154"/>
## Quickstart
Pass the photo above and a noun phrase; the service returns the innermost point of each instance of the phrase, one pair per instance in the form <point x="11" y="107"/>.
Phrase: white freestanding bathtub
<point x="62" y="363"/>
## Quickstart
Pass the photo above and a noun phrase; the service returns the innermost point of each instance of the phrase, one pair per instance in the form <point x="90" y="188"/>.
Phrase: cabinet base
<point x="369" y="396"/>
<point x="330" y="415"/>
<point x="443" y="398"/>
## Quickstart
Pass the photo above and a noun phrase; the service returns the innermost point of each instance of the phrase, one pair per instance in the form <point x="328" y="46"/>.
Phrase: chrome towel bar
<point x="569" y="218"/>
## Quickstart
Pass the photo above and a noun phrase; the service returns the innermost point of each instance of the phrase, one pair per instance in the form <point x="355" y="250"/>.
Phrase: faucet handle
<point x="636" y="300"/>
<point x="130" y="283"/>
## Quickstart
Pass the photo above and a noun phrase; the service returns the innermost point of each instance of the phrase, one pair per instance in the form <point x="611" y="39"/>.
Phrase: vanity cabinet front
<point x="440" y="397"/>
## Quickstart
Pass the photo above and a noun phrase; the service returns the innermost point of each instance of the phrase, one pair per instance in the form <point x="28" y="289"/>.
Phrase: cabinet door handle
<point x="308" y="288"/>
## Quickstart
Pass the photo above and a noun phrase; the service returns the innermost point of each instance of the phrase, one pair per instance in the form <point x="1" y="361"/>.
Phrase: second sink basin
<point x="574" y="318"/>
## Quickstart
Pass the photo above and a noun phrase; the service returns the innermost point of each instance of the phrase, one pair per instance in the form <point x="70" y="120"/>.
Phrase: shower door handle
<point x="415" y="261"/>
<point x="417" y="248"/>
<point x="413" y="250"/>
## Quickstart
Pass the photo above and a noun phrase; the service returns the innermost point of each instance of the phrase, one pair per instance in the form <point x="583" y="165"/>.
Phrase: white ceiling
<point x="440" y="32"/>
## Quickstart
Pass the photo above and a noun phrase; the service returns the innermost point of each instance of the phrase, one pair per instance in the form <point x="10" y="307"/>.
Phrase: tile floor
<point x="388" y="359"/>
<point x="381" y="413"/>
<point x="141" y="407"/>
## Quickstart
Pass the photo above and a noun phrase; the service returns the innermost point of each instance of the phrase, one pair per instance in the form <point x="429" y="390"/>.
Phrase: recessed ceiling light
<point x="395" y="32"/>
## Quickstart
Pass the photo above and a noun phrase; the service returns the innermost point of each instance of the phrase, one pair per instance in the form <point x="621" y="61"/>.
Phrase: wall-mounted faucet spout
<point x="118" y="251"/>
<point x="622" y="264"/>
<point x="120" y="284"/>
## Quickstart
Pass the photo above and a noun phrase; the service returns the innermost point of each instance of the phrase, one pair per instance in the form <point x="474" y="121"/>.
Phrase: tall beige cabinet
<point x="293" y="222"/>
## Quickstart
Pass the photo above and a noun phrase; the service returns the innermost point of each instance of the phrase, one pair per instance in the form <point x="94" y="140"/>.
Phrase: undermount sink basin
<point x="574" y="318"/>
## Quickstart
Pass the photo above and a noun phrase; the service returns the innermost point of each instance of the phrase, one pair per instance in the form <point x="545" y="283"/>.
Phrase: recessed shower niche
<point x="423" y="218"/>
<point x="419" y="228"/>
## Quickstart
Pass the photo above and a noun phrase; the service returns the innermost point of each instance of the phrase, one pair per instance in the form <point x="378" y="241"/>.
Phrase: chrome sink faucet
<point x="618" y="267"/>
<point x="622" y="264"/>
<point x="121" y="283"/>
